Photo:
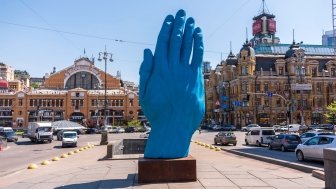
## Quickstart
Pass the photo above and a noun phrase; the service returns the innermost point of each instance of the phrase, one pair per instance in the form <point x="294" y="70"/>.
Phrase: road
<point x="20" y="154"/>
<point x="208" y="137"/>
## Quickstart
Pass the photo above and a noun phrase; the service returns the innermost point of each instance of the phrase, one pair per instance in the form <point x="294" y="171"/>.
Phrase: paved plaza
<point x="215" y="169"/>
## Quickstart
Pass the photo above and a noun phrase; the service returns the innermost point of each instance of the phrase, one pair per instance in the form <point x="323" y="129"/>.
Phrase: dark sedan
<point x="284" y="142"/>
<point x="10" y="136"/>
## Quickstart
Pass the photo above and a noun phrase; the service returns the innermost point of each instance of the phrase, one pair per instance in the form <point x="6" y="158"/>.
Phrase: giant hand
<point x="172" y="88"/>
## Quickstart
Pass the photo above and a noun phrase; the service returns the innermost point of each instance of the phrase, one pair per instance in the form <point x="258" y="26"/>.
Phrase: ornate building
<point x="271" y="83"/>
<point x="76" y="93"/>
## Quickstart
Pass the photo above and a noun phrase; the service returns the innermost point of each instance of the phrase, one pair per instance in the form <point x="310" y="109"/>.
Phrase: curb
<point x="300" y="167"/>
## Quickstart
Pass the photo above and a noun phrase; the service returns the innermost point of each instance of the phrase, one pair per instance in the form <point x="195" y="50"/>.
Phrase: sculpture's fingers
<point x="162" y="45"/>
<point x="176" y="38"/>
<point x="198" y="51"/>
<point x="187" y="41"/>
<point x="145" y="72"/>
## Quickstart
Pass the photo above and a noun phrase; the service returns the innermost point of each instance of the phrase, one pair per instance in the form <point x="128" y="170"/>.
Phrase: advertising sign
<point x="301" y="87"/>
<point x="256" y="27"/>
<point x="271" y="25"/>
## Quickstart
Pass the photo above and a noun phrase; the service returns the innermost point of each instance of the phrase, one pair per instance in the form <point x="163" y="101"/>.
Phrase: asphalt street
<point x="20" y="154"/>
<point x="208" y="137"/>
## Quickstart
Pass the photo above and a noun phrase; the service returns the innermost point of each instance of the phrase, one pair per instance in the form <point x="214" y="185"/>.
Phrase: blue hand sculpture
<point x="172" y="88"/>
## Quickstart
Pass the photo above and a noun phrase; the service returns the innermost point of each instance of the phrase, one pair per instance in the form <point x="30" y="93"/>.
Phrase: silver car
<point x="313" y="148"/>
<point x="308" y="135"/>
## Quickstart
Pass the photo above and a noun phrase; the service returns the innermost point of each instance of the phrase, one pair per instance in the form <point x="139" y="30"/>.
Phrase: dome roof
<point x="291" y="51"/>
<point x="3" y="84"/>
<point x="247" y="47"/>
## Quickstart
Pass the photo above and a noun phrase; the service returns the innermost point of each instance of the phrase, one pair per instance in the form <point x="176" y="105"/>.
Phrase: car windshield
<point x="9" y="133"/>
<point x="293" y="137"/>
<point x="69" y="135"/>
<point x="44" y="129"/>
<point x="268" y="132"/>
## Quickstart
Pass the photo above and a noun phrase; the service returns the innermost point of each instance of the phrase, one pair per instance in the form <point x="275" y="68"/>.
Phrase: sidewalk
<point x="215" y="169"/>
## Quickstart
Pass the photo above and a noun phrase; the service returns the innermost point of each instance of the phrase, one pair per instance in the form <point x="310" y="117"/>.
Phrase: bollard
<point x="109" y="153"/>
<point x="104" y="138"/>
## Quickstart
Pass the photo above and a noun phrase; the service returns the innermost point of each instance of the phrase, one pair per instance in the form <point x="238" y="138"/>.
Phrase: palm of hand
<point x="171" y="89"/>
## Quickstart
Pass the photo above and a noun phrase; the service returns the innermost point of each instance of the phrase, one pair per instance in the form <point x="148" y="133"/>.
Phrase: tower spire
<point x="246" y="35"/>
<point x="263" y="4"/>
<point x="293" y="36"/>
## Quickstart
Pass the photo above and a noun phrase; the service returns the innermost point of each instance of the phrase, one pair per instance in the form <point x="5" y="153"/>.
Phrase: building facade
<point x="271" y="83"/>
<point x="76" y="93"/>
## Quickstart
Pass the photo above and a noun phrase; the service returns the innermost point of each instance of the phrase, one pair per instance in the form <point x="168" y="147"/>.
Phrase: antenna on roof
<point x="246" y="36"/>
<point x="293" y="37"/>
<point x="263" y="4"/>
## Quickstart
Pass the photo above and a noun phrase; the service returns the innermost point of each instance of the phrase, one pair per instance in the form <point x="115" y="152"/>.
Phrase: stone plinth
<point x="330" y="167"/>
<point x="167" y="170"/>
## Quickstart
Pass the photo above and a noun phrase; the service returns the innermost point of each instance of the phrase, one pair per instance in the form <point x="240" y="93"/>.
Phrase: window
<point x="278" y="102"/>
<point x="278" y="87"/>
<point x="268" y="132"/>
<point x="325" y="140"/>
<point x="31" y="102"/>
<point x="266" y="87"/>
<point x="313" y="141"/>
<point x="20" y="112"/>
<point x="314" y="72"/>
<point x="333" y="72"/>
<point x="281" y="71"/>
<point x="257" y="87"/>
<point x="255" y="132"/>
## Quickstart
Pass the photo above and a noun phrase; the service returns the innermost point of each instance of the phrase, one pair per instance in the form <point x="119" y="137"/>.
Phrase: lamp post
<point x="105" y="57"/>
<point x="104" y="136"/>
<point x="323" y="91"/>
<point x="302" y="72"/>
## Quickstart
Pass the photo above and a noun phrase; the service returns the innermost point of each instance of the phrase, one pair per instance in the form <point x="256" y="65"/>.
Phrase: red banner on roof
<point x="271" y="26"/>
<point x="256" y="27"/>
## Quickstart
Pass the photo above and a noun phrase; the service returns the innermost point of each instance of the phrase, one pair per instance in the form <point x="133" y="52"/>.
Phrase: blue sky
<point x="137" y="23"/>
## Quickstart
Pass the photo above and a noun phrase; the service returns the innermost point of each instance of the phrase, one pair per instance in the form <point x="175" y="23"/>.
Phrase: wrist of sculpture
<point x="170" y="139"/>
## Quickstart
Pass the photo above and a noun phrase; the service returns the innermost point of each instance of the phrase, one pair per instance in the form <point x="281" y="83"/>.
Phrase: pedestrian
<point x="199" y="130"/>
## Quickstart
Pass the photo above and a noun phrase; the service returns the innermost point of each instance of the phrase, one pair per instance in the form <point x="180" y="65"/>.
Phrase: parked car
<point x="130" y="129"/>
<point x="284" y="142"/>
<point x="69" y="138"/>
<point x="259" y="135"/>
<point x="9" y="135"/>
<point x="144" y="129"/>
<point x="225" y="138"/>
<point x="248" y="127"/>
<point x="229" y="128"/>
<point x="91" y="130"/>
<point x="276" y="128"/>
<point x="120" y="130"/>
<point x="328" y="127"/>
<point x="145" y="135"/>
<point x="313" y="148"/>
<point x="308" y="135"/>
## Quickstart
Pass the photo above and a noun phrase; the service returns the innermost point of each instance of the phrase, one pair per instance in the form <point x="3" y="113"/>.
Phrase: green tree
<point x="35" y="85"/>
<point x="134" y="123"/>
<point x="331" y="115"/>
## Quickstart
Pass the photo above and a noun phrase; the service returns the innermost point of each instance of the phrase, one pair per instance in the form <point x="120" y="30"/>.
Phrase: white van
<point x="259" y="135"/>
<point x="69" y="138"/>
<point x="6" y="129"/>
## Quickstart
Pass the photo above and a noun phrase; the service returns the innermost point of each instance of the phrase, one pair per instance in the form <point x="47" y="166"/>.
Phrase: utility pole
<point x="104" y="135"/>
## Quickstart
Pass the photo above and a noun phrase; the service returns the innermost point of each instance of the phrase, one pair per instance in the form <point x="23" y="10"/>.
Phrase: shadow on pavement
<point x="112" y="183"/>
<point x="285" y="156"/>
<point x="24" y="143"/>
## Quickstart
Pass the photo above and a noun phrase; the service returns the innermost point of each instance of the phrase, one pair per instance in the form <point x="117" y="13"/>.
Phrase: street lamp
<point x="104" y="136"/>
<point x="105" y="57"/>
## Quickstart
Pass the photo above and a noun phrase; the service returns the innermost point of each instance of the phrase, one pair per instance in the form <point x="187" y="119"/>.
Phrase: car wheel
<point x="283" y="148"/>
<point x="215" y="142"/>
<point x="258" y="143"/>
<point x="270" y="146"/>
<point x="246" y="142"/>
<point x="299" y="155"/>
<point x="234" y="144"/>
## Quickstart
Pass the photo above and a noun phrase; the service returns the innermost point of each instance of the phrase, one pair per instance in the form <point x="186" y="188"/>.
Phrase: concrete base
<point x="329" y="156"/>
<point x="167" y="170"/>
